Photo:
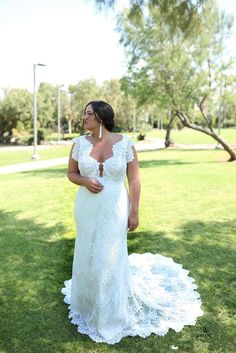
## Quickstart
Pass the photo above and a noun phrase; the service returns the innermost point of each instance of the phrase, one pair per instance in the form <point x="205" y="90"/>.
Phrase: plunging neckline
<point x="106" y="159"/>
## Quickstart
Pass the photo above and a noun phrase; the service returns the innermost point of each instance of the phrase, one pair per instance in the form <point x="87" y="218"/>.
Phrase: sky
<point x="70" y="37"/>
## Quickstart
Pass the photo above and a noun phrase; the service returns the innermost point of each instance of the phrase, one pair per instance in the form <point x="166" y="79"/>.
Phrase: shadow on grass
<point x="152" y="163"/>
<point x="33" y="269"/>
<point x="52" y="172"/>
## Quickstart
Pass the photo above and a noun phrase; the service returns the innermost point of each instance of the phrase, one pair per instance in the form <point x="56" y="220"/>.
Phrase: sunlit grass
<point x="187" y="212"/>
<point x="21" y="156"/>
<point x="189" y="136"/>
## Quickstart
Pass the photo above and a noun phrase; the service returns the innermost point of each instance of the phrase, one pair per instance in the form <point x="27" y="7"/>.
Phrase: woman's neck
<point x="95" y="134"/>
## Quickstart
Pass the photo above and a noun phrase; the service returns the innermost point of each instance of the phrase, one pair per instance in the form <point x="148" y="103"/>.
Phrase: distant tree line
<point x="16" y="110"/>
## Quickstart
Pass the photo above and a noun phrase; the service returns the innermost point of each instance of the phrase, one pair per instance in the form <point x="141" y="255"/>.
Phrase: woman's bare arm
<point x="134" y="191"/>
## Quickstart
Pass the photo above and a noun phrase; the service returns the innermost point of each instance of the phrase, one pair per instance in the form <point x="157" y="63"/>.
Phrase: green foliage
<point x="40" y="137"/>
<point x="140" y="136"/>
<point x="228" y="104"/>
<point x="17" y="105"/>
<point x="183" y="15"/>
<point x="82" y="93"/>
<point x="15" y="113"/>
<point x="47" y="96"/>
<point x="122" y="104"/>
<point x="170" y="69"/>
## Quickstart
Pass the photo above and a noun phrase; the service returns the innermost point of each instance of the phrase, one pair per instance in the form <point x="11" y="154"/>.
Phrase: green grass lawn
<point x="14" y="157"/>
<point x="187" y="212"/>
<point x="189" y="136"/>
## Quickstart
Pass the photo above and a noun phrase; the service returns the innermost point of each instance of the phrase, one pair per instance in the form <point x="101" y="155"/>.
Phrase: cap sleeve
<point x="75" y="150"/>
<point x="129" y="151"/>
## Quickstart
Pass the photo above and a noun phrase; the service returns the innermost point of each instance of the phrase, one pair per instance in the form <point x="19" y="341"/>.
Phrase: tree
<point x="181" y="72"/>
<point x="70" y="111"/>
<point x="122" y="104"/>
<point x="15" y="113"/>
<point x="226" y="116"/>
<point x="47" y="105"/>
<point x="181" y="14"/>
<point x="81" y="93"/>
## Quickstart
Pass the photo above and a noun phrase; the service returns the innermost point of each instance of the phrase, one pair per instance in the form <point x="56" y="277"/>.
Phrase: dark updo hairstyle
<point x="103" y="113"/>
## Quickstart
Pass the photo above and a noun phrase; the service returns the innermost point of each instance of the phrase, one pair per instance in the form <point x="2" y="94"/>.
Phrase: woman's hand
<point x="133" y="221"/>
<point x="93" y="185"/>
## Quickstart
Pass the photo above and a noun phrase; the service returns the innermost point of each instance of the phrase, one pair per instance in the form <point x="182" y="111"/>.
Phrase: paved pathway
<point x="153" y="144"/>
<point x="37" y="164"/>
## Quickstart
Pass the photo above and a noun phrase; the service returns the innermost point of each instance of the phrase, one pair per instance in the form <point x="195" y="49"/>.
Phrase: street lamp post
<point x="35" y="155"/>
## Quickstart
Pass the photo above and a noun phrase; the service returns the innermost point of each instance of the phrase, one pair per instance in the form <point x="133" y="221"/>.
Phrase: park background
<point x="182" y="83"/>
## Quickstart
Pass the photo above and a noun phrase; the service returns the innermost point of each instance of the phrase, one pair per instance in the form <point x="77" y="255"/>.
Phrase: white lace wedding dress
<point x="112" y="295"/>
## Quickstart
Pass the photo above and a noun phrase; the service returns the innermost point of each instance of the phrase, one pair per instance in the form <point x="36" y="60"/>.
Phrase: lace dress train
<point x="112" y="295"/>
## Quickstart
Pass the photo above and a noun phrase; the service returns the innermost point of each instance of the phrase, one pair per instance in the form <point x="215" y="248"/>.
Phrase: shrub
<point x="40" y="138"/>
<point x="141" y="136"/>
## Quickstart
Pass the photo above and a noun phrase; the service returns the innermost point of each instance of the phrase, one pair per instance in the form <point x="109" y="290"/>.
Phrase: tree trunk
<point x="168" y="130"/>
<point x="69" y="127"/>
<point x="208" y="132"/>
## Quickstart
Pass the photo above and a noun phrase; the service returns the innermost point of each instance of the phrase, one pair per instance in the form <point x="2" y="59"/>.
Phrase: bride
<point x="112" y="295"/>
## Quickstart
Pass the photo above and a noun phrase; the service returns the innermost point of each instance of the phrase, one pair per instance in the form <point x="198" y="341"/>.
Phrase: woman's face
<point x="90" y="121"/>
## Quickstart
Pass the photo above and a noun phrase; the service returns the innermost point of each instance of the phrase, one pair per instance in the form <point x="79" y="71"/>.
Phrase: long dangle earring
<point x="100" y="131"/>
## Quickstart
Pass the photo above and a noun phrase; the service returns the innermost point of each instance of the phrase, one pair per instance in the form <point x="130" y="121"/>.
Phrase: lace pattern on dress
<point x="129" y="151"/>
<point x="113" y="167"/>
<point x="75" y="151"/>
<point x="163" y="296"/>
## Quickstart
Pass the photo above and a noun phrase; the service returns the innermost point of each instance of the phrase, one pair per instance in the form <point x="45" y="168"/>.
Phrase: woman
<point x="112" y="295"/>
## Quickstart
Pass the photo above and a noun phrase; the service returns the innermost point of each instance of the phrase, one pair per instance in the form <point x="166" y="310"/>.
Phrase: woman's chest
<point x="101" y="151"/>
<point x="103" y="163"/>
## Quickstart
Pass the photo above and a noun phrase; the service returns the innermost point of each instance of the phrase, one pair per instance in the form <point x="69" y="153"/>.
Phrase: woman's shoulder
<point x="121" y="137"/>
<point x="116" y="137"/>
<point x="78" y="139"/>
<point x="128" y="139"/>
